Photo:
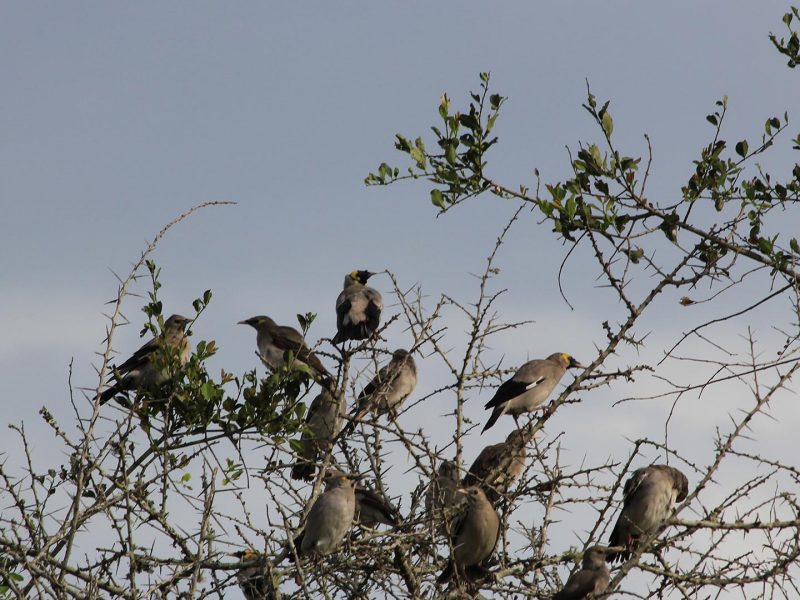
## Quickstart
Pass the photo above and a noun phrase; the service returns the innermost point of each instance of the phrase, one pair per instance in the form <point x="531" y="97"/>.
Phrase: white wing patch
<point x="533" y="384"/>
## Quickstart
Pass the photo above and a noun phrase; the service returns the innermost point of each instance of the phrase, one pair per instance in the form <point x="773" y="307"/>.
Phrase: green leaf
<point x="608" y="124"/>
<point x="741" y="148"/>
<point x="437" y="199"/>
<point x="794" y="245"/>
<point x="712" y="119"/>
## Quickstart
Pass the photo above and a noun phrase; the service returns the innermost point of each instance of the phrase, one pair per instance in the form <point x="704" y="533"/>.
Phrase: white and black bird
<point x="274" y="341"/>
<point x="498" y="466"/>
<point x="475" y="534"/>
<point x="387" y="390"/>
<point x="323" y="423"/>
<point x="648" y="497"/>
<point x="530" y="386"/>
<point x="358" y="308"/>
<point x="330" y="518"/>
<point x="150" y="366"/>
<point x="592" y="578"/>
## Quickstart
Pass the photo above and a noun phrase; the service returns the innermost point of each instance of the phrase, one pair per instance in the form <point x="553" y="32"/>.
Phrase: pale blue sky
<point x="114" y="118"/>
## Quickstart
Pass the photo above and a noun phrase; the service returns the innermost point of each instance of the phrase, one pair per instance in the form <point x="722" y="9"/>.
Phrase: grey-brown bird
<point x="323" y="423"/>
<point x="498" y="466"/>
<point x="442" y="491"/>
<point x="253" y="579"/>
<point x="152" y="365"/>
<point x="647" y="502"/>
<point x="442" y="499"/>
<point x="592" y="578"/>
<point x="475" y="535"/>
<point x="392" y="384"/>
<point x="331" y="516"/>
<point x="530" y="386"/>
<point x="373" y="510"/>
<point x="273" y="341"/>
<point x="358" y="308"/>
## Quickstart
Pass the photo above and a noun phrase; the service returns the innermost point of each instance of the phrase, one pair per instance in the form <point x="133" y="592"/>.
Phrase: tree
<point x="123" y="517"/>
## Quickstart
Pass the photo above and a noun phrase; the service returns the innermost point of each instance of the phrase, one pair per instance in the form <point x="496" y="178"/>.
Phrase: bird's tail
<point x="496" y="413"/>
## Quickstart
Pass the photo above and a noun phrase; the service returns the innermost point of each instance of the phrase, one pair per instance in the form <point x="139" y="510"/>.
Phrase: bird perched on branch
<point x="529" y="387"/>
<point x="592" y="578"/>
<point x="498" y="466"/>
<point x="150" y="366"/>
<point x="358" y="308"/>
<point x="273" y="341"/>
<point x="475" y="534"/>
<point x="442" y="498"/>
<point x="648" y="497"/>
<point x="372" y="509"/>
<point x="331" y="516"/>
<point x="323" y="423"/>
<point x="392" y="384"/>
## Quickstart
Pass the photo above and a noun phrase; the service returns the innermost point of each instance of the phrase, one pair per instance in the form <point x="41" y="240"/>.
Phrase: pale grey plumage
<point x="648" y="497"/>
<point x="393" y="383"/>
<point x="592" y="578"/>
<point x="358" y="308"/>
<point x="475" y="535"/>
<point x="323" y="423"/>
<point x="330" y="518"/>
<point x="530" y="386"/>
<point x="273" y="341"/>
<point x="148" y="367"/>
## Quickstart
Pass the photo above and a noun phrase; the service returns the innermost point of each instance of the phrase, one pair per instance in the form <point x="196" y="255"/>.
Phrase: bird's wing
<point x="374" y="303"/>
<point x="288" y="338"/>
<point x="366" y="498"/>
<point x="508" y="391"/>
<point x="486" y="460"/>
<point x="578" y="586"/>
<point x="343" y="305"/>
<point x="633" y="484"/>
<point x="140" y="356"/>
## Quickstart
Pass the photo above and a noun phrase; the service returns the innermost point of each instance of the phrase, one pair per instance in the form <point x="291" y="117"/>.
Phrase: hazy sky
<point x="117" y="117"/>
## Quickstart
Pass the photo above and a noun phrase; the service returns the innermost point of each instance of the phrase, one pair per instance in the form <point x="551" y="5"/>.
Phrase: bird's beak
<point x="461" y="491"/>
<point x="574" y="364"/>
<point x="245" y="322"/>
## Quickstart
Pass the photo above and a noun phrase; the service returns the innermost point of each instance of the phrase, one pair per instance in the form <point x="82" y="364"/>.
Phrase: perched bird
<point x="475" y="535"/>
<point x="323" y="423"/>
<point x="275" y="340"/>
<point x="442" y="491"/>
<point x="647" y="501"/>
<point x="442" y="499"/>
<point x="529" y="387"/>
<point x="373" y="510"/>
<point x="330" y="517"/>
<point x="149" y="367"/>
<point x="358" y="308"/>
<point x="592" y="578"/>
<point x="254" y="580"/>
<point x="498" y="466"/>
<point x="392" y="384"/>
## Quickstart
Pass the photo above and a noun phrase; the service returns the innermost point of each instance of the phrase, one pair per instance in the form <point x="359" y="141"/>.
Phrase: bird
<point x="254" y="580"/>
<point x="273" y="341"/>
<point x="392" y="384"/>
<point x="529" y="387"/>
<point x="323" y="423"/>
<point x="150" y="366"/>
<point x="498" y="466"/>
<point x="373" y="510"/>
<point x="442" y="500"/>
<point x="648" y="497"/>
<point x="358" y="308"/>
<point x="592" y="578"/>
<point x="474" y="537"/>
<point x="442" y="489"/>
<point x="331" y="516"/>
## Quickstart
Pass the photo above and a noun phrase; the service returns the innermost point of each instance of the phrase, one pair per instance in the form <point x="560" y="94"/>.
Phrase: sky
<point x="118" y="117"/>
